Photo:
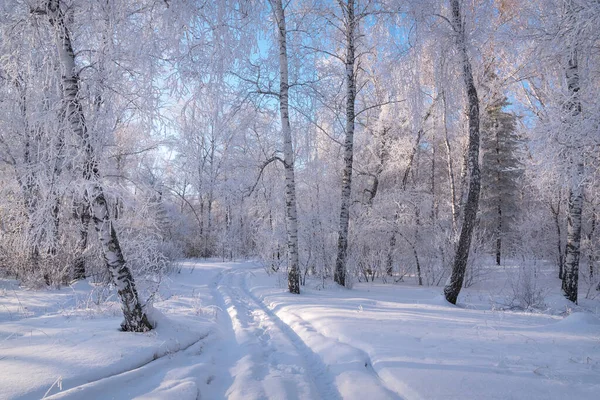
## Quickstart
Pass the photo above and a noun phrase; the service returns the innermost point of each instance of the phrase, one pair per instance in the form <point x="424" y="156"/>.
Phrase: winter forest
<point x="174" y="164"/>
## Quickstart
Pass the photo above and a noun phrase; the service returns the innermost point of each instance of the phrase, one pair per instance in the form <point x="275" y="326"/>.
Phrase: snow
<point x="229" y="330"/>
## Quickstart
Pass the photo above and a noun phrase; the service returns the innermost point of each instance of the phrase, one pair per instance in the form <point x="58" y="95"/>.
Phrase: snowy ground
<point x="228" y="330"/>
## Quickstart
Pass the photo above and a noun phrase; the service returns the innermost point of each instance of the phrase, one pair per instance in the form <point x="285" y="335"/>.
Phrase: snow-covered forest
<point x="283" y="199"/>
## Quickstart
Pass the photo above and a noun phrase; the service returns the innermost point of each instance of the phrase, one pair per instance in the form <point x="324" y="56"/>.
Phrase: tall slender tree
<point x="288" y="151"/>
<point x="73" y="116"/>
<point x="576" y="167"/>
<point x="501" y="173"/>
<point x="350" y="32"/>
<point x="469" y="214"/>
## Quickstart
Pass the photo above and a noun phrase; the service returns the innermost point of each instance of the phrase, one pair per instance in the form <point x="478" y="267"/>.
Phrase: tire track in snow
<point x="246" y="369"/>
<point x="79" y="390"/>
<point x="140" y="370"/>
<point x="319" y="372"/>
<point x="370" y="367"/>
<point x="250" y="317"/>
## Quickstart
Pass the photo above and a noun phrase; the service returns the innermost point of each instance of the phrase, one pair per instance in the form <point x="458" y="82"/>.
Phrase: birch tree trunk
<point x="288" y="153"/>
<point x="72" y="113"/>
<point x="469" y="214"/>
<point x="571" y="268"/>
<point x="339" y="274"/>
<point x="561" y="254"/>
<point x="589" y="237"/>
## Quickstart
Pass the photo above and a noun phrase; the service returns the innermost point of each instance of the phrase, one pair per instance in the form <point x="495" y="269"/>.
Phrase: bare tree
<point x="470" y="207"/>
<point x="576" y="167"/>
<point x="72" y="113"/>
<point x="351" y="29"/>
<point x="288" y="152"/>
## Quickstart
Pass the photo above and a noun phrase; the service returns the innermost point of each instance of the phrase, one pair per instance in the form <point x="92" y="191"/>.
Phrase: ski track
<point x="295" y="324"/>
<point x="370" y="365"/>
<point x="269" y="342"/>
<point x="163" y="362"/>
<point x="194" y="348"/>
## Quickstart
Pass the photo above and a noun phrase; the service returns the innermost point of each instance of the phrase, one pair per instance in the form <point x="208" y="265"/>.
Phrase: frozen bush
<point x="526" y="291"/>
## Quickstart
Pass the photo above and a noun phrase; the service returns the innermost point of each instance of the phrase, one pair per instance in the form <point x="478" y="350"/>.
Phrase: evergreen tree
<point x="502" y="173"/>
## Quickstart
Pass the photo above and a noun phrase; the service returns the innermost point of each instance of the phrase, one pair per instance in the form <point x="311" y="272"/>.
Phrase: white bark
<point x="342" y="250"/>
<point x="134" y="318"/>
<point x="288" y="153"/>
<point x="577" y="170"/>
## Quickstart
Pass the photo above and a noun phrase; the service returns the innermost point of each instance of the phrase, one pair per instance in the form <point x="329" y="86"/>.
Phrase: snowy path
<point x="351" y="368"/>
<point x="228" y="330"/>
<point x="252" y="354"/>
<point x="182" y="374"/>
<point x="275" y="363"/>
<point x="420" y="347"/>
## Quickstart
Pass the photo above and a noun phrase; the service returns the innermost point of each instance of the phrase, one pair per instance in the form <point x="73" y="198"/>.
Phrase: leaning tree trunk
<point x="72" y="113"/>
<point x="288" y="154"/>
<point x="469" y="214"/>
<point x="342" y="251"/>
<point x="571" y="269"/>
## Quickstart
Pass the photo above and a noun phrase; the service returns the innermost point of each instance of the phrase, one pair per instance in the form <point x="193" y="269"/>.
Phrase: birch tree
<point x="576" y="166"/>
<point x="72" y="113"/>
<point x="350" y="32"/>
<point x="565" y="92"/>
<point x="288" y="151"/>
<point x="469" y="214"/>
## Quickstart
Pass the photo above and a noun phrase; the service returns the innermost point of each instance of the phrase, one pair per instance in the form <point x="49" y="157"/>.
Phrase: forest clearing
<point x="300" y="199"/>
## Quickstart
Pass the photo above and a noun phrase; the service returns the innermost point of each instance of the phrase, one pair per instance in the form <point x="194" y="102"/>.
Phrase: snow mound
<point x="440" y="300"/>
<point x="186" y="390"/>
<point x="578" y="322"/>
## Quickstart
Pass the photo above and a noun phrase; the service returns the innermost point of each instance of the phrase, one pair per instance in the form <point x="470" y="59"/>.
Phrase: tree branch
<point x="262" y="168"/>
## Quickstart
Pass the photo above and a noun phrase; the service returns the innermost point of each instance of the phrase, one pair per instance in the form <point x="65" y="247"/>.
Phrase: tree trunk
<point x="469" y="214"/>
<point x="84" y="218"/>
<point x="573" y="107"/>
<point x="561" y="252"/>
<point x="499" y="237"/>
<point x="590" y="237"/>
<point x="571" y="269"/>
<point x="342" y="251"/>
<point x="389" y="262"/>
<point x="500" y="200"/>
<point x="288" y="154"/>
<point x="72" y="112"/>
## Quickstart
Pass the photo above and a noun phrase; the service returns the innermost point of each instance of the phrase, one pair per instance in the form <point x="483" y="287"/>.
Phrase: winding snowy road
<point x="251" y="354"/>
